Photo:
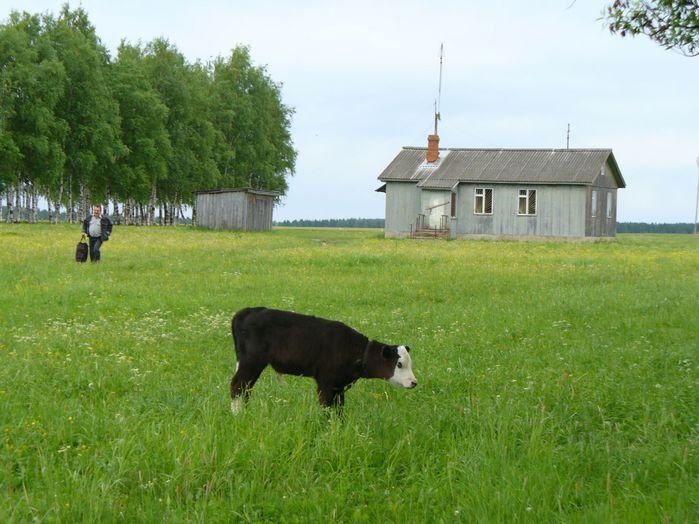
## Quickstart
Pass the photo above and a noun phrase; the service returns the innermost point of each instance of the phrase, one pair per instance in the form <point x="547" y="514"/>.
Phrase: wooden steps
<point x="430" y="234"/>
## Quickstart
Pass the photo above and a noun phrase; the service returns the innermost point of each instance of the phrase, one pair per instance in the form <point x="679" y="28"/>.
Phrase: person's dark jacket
<point x="105" y="226"/>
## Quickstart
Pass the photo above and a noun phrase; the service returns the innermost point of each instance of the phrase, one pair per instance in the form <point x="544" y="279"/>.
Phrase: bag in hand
<point x="81" y="250"/>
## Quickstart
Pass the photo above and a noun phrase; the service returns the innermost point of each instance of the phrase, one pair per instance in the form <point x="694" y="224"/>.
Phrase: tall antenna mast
<point x="438" y="101"/>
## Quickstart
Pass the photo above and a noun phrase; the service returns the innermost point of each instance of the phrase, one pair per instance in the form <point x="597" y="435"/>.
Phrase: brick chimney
<point x="432" y="148"/>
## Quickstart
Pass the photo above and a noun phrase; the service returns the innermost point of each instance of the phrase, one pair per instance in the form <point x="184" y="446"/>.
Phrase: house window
<point x="453" y="204"/>
<point x="593" y="206"/>
<point x="527" y="202"/>
<point x="601" y="171"/>
<point x="483" y="202"/>
<point x="609" y="205"/>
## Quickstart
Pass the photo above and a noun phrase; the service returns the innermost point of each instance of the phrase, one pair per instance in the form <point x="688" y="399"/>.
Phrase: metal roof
<point x="259" y="192"/>
<point x="500" y="166"/>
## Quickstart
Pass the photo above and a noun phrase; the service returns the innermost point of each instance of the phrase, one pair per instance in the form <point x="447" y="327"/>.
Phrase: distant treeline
<point x="334" y="222"/>
<point x="644" y="227"/>
<point x="378" y="223"/>
<point x="622" y="227"/>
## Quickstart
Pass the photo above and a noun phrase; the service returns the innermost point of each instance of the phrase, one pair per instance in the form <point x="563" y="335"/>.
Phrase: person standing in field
<point x="97" y="227"/>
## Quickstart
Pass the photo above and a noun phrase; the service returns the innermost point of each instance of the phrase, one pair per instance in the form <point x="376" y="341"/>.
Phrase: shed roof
<point x="260" y="192"/>
<point x="501" y="166"/>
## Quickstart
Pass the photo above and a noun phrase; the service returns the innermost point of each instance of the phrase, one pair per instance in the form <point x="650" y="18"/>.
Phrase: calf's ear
<point x="390" y="352"/>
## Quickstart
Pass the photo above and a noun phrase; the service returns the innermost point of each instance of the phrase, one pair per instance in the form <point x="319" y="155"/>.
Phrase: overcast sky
<point x="362" y="77"/>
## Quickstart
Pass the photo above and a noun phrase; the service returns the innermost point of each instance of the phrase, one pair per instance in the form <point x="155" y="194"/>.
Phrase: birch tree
<point x="92" y="145"/>
<point x="254" y="140"/>
<point x="32" y="80"/>
<point x="143" y="128"/>
<point x="184" y="90"/>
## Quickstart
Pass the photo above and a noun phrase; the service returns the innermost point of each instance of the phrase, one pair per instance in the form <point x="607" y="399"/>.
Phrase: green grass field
<point x="558" y="382"/>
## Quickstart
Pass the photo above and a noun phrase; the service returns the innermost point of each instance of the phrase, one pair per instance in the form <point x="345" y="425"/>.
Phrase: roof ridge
<point x="498" y="165"/>
<point x="561" y="149"/>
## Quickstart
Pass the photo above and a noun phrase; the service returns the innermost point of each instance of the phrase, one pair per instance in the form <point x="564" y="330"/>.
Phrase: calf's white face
<point x="403" y="373"/>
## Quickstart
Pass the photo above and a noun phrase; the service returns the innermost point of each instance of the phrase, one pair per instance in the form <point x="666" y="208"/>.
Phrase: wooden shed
<point x="239" y="209"/>
<point x="460" y="193"/>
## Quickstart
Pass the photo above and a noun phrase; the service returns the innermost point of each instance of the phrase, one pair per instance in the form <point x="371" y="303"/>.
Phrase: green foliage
<point x="557" y="380"/>
<point x="145" y="128"/>
<point x="32" y="80"/>
<point x="674" y="24"/>
<point x="87" y="107"/>
<point x="253" y="126"/>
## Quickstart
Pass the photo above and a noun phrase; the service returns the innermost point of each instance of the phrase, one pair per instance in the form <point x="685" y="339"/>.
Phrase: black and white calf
<point x="334" y="354"/>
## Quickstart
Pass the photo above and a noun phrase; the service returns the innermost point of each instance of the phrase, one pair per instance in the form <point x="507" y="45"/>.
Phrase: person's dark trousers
<point x="95" y="243"/>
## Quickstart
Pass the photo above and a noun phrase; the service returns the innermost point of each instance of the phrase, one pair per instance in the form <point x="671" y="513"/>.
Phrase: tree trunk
<point x="8" y="199"/>
<point x="151" y="205"/>
<point x="18" y="202"/>
<point x="56" y="211"/>
<point x="57" y="204"/>
<point x="83" y="209"/>
<point x="115" y="216"/>
<point x="34" y="202"/>
<point x="70" y="211"/>
<point x="49" y="202"/>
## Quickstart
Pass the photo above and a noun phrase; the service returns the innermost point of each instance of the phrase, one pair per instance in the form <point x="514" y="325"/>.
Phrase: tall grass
<point x="558" y="382"/>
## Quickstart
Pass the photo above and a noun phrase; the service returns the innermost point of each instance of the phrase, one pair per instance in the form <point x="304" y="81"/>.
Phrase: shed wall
<point x="221" y="210"/>
<point x="259" y="213"/>
<point x="236" y="210"/>
<point x="402" y="206"/>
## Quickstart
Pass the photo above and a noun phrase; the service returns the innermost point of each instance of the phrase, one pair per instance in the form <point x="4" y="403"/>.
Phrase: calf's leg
<point x="242" y="382"/>
<point x="331" y="396"/>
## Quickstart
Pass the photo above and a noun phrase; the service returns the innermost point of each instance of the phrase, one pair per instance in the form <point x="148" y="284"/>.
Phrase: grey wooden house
<point x="459" y="193"/>
<point x="239" y="209"/>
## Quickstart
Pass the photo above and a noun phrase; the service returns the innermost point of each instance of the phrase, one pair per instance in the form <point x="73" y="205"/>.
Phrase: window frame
<point x="526" y="195"/>
<point x="610" y="201"/>
<point x="481" y="193"/>
<point x="593" y="204"/>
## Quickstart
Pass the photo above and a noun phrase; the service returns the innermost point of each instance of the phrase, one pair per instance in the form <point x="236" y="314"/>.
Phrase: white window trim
<point x="610" y="200"/>
<point x="593" y="204"/>
<point x="484" y="192"/>
<point x="527" y="196"/>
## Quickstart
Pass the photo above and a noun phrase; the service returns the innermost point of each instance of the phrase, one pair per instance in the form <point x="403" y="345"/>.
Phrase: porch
<point x="423" y="230"/>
